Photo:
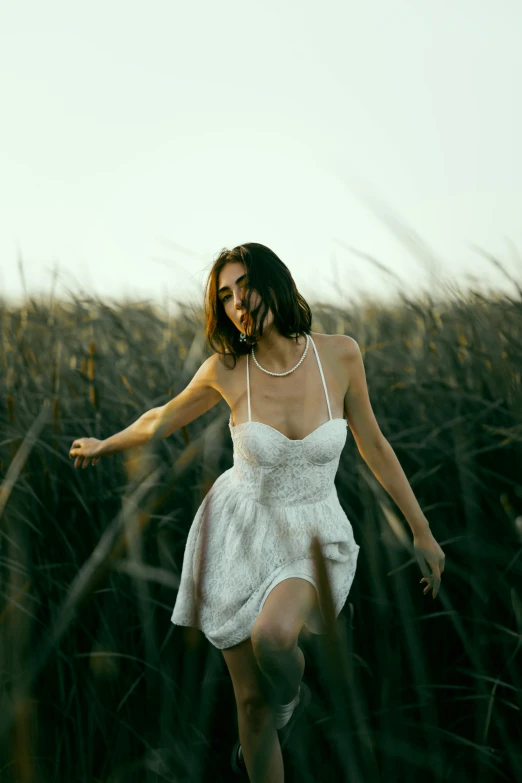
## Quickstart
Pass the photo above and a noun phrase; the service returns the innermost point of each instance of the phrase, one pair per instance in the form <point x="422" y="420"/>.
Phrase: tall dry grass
<point x="98" y="685"/>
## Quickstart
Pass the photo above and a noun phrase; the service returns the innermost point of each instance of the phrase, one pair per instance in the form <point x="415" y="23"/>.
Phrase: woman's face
<point x="231" y="291"/>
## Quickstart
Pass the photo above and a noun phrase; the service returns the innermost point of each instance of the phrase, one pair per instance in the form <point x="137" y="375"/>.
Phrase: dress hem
<point x="314" y="624"/>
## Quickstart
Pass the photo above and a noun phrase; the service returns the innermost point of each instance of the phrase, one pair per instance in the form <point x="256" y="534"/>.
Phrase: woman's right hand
<point x="87" y="449"/>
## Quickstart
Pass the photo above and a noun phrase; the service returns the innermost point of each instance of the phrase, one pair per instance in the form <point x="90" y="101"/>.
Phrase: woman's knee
<point x="270" y="639"/>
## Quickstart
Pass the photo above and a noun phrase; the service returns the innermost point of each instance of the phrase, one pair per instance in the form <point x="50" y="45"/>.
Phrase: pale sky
<point x="138" y="139"/>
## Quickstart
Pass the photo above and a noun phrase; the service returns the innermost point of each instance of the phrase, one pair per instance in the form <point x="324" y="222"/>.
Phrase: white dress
<point x="260" y="517"/>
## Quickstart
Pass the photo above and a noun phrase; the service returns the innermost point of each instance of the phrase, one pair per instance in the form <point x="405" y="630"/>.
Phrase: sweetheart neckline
<point x="291" y="440"/>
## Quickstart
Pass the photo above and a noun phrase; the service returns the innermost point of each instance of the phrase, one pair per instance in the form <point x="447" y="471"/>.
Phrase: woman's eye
<point x="224" y="299"/>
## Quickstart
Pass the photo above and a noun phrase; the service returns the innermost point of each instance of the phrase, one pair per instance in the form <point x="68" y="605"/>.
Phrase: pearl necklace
<point x="288" y="371"/>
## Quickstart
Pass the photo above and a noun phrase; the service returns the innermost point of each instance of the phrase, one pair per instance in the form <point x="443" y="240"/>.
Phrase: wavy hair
<point x="271" y="279"/>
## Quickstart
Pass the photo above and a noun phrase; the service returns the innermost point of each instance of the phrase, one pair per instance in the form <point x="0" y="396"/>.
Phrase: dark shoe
<point x="237" y="761"/>
<point x="305" y="698"/>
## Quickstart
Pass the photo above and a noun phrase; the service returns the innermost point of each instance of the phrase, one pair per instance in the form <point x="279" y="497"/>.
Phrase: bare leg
<point x="259" y="688"/>
<point x="260" y="744"/>
<point x="283" y="669"/>
<point x="257" y="732"/>
<point x="275" y="636"/>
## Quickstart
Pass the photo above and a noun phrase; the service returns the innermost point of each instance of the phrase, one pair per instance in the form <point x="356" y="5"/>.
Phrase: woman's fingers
<point x="432" y="584"/>
<point x="74" y="449"/>
<point x="81" y="461"/>
<point x="82" y="451"/>
<point x="77" y="444"/>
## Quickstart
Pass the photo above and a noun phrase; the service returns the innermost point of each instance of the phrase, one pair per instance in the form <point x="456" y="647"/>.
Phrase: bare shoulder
<point x="208" y="372"/>
<point x="220" y="375"/>
<point x="349" y="347"/>
<point x="338" y="346"/>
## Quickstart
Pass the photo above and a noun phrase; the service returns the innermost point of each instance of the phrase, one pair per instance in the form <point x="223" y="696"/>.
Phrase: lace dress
<point x="260" y="517"/>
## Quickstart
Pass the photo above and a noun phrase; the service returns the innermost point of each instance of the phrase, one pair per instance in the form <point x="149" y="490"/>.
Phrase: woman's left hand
<point x="427" y="549"/>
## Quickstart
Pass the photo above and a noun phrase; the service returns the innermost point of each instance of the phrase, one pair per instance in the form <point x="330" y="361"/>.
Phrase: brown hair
<point x="271" y="278"/>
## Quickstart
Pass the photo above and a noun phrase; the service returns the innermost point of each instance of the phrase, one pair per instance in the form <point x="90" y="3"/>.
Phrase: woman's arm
<point x="380" y="457"/>
<point x="136" y="434"/>
<point x="197" y="398"/>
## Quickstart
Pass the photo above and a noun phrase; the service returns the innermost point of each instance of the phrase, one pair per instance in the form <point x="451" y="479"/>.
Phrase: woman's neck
<point x="277" y="353"/>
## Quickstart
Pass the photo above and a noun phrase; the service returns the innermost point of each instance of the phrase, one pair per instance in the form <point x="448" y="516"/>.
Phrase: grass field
<point x="99" y="686"/>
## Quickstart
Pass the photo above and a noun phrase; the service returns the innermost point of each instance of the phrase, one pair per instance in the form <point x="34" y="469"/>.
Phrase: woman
<point x="292" y="394"/>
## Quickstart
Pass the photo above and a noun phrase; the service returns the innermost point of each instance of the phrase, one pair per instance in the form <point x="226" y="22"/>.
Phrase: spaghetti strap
<point x="322" y="377"/>
<point x="248" y="390"/>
